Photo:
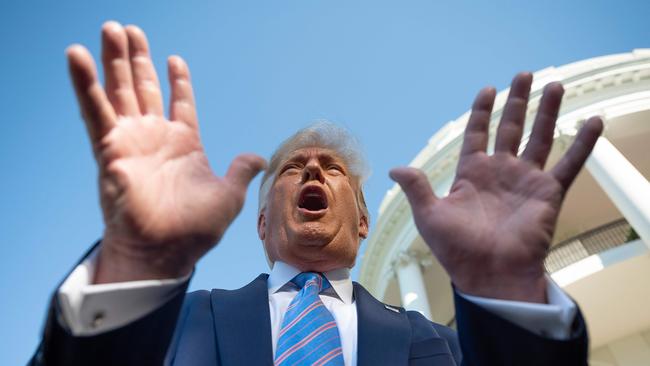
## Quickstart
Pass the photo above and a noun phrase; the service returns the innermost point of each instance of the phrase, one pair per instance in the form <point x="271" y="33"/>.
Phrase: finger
<point x="476" y="131"/>
<point x="541" y="138"/>
<point x="117" y="70"/>
<point x="512" y="121"/>
<point x="145" y="79"/>
<point x="95" y="108"/>
<point x="244" y="168"/>
<point x="570" y="164"/>
<point x="182" y="106"/>
<point x="415" y="185"/>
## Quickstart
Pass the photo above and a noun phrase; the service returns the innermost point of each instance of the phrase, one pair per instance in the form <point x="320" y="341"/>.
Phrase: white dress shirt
<point x="338" y="299"/>
<point x="89" y="309"/>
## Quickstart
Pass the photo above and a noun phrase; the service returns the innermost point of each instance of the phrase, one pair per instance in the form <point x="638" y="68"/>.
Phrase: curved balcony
<point x="595" y="241"/>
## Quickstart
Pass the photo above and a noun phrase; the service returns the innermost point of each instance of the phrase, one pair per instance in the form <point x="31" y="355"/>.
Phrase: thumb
<point x="415" y="185"/>
<point x="244" y="168"/>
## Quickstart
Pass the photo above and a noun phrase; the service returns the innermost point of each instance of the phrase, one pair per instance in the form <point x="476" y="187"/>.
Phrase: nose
<point x="313" y="171"/>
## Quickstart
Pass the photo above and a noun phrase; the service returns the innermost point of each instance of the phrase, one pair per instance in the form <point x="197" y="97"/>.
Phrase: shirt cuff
<point x="552" y="320"/>
<point x="89" y="309"/>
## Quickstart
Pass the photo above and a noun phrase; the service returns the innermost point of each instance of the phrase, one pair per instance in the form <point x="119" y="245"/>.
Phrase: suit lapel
<point x="243" y="324"/>
<point x="384" y="333"/>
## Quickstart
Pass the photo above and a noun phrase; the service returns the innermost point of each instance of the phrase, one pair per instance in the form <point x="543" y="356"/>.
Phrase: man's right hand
<point x="163" y="206"/>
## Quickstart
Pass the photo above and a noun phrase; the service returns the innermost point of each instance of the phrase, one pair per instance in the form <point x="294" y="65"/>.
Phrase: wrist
<point x="513" y="287"/>
<point x="120" y="264"/>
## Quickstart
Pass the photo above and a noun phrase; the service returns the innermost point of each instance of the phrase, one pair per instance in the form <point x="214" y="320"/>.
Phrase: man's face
<point x="312" y="220"/>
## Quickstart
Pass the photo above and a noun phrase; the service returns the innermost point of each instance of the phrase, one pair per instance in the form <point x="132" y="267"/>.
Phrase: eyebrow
<point x="323" y="157"/>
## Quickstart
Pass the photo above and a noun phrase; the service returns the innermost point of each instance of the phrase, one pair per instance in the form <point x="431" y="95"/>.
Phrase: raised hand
<point x="493" y="230"/>
<point x="163" y="206"/>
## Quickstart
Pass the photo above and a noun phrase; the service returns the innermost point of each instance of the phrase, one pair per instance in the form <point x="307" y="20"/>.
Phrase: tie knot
<point x="307" y="279"/>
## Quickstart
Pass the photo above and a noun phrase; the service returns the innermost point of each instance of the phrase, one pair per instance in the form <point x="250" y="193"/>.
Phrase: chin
<point x="313" y="238"/>
<point x="313" y="234"/>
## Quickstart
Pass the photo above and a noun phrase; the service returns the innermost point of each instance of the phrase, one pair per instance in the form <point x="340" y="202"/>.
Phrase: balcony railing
<point x="600" y="239"/>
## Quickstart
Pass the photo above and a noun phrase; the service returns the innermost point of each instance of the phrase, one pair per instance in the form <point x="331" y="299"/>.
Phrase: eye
<point x="290" y="168"/>
<point x="335" y="168"/>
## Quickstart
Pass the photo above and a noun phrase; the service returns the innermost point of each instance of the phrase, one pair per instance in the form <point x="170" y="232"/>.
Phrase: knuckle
<point x="148" y="86"/>
<point x="517" y="101"/>
<point x="141" y="59"/>
<point x="181" y="82"/>
<point x="123" y="93"/>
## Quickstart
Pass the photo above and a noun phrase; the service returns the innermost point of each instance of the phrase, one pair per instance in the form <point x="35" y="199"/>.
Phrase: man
<point x="164" y="208"/>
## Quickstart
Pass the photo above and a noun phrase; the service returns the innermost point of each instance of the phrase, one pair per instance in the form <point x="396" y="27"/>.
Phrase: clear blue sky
<point x="392" y="72"/>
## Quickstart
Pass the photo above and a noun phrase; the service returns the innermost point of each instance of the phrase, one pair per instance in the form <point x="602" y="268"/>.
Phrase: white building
<point x="596" y="255"/>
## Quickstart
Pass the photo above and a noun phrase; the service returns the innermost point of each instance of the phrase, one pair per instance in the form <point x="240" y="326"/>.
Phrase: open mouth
<point x="313" y="199"/>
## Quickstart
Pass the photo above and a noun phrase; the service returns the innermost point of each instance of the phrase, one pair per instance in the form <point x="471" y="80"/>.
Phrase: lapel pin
<point x="391" y="308"/>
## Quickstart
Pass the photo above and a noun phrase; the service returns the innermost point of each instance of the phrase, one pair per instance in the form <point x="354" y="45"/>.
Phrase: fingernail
<point x="112" y="26"/>
<point x="73" y="48"/>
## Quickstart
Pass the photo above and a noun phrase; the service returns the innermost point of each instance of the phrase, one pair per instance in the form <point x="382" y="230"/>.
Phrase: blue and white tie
<point x="309" y="335"/>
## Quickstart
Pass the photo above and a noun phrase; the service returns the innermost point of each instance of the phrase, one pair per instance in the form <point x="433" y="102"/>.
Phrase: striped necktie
<point x="309" y="335"/>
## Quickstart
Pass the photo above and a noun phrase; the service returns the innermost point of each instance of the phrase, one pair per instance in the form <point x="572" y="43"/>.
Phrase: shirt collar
<point x="339" y="278"/>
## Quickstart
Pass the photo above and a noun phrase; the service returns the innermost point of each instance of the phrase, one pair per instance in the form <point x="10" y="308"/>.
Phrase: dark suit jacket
<point x="221" y="327"/>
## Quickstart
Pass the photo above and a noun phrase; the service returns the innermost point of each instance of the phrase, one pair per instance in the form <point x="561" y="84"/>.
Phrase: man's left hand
<point x="493" y="230"/>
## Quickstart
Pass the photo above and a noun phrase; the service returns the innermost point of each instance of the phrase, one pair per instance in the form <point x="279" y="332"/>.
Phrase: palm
<point x="159" y="197"/>
<point x="500" y="214"/>
<point x="498" y="202"/>
<point x="162" y="185"/>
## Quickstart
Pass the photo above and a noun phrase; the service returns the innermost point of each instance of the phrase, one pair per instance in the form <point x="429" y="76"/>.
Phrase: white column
<point x="631" y="350"/>
<point x="411" y="284"/>
<point x="625" y="186"/>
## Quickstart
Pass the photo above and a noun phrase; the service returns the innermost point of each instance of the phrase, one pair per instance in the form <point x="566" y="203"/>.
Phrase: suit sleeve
<point x="553" y="319"/>
<point x="88" y="309"/>
<point x="142" y="342"/>
<point x="488" y="339"/>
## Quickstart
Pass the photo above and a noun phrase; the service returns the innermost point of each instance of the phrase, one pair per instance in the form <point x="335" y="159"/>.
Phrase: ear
<point x="363" y="227"/>
<point x="261" y="226"/>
